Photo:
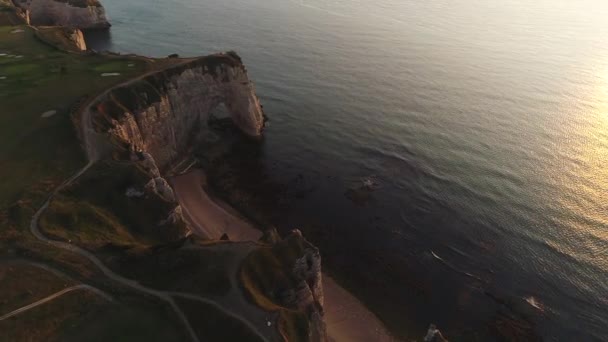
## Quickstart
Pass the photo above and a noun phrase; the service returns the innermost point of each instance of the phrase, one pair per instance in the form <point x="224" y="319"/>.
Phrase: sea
<point x="479" y="127"/>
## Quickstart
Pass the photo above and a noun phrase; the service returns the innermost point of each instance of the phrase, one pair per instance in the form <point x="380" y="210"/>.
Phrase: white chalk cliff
<point x="162" y="113"/>
<point x="80" y="14"/>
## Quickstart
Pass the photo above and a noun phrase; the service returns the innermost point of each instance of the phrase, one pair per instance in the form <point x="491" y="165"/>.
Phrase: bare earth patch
<point x="48" y="114"/>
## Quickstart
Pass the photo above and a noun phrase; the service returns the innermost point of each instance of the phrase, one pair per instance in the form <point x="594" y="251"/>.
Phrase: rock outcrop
<point x="63" y="38"/>
<point x="80" y="14"/>
<point x="162" y="113"/>
<point x="288" y="274"/>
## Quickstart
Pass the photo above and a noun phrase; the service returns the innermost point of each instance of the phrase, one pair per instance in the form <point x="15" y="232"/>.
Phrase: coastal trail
<point x="53" y="296"/>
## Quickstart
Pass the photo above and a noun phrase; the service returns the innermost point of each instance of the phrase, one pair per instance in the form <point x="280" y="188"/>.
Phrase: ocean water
<point x="484" y="122"/>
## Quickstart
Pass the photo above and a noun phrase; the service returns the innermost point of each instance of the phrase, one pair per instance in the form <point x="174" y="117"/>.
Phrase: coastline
<point x="346" y="317"/>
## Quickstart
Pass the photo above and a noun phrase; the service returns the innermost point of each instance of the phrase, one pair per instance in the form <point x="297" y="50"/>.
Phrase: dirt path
<point x="53" y="296"/>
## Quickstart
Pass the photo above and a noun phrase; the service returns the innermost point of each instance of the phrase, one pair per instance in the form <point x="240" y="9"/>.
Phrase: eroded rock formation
<point x="81" y="14"/>
<point x="162" y="113"/>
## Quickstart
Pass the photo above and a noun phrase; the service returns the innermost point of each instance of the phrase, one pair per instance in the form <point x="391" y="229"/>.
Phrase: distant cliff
<point x="80" y="14"/>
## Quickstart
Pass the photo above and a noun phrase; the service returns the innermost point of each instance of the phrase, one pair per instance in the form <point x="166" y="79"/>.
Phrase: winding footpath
<point x="53" y="296"/>
<point x="104" y="269"/>
<point x="164" y="296"/>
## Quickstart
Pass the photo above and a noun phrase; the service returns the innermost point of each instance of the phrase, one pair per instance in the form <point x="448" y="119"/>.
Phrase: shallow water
<point x="485" y="123"/>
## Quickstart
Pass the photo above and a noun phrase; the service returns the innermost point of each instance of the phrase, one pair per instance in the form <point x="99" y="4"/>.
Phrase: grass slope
<point x="95" y="210"/>
<point x="43" y="322"/>
<point x="22" y="284"/>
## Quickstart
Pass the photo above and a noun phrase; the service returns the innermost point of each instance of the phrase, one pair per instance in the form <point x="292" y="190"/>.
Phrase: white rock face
<point x="78" y="38"/>
<point x="81" y="14"/>
<point x="168" y="109"/>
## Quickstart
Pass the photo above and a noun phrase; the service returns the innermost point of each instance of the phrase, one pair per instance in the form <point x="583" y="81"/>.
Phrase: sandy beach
<point x="208" y="218"/>
<point x="348" y="320"/>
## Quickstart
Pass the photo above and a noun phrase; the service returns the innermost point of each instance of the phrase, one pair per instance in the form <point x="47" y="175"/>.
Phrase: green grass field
<point x="36" y="78"/>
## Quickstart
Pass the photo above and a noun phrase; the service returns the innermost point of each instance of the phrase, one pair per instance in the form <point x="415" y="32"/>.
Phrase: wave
<point x="344" y="15"/>
<point x="456" y="269"/>
<point x="535" y="303"/>
<point x="325" y="10"/>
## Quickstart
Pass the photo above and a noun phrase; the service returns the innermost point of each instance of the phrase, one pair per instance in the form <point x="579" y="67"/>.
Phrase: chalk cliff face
<point x="162" y="113"/>
<point x="81" y="14"/>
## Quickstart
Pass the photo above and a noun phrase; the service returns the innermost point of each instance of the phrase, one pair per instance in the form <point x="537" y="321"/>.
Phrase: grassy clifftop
<point x="42" y="89"/>
<point x="39" y="87"/>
